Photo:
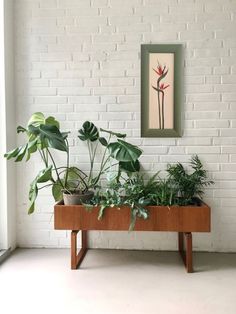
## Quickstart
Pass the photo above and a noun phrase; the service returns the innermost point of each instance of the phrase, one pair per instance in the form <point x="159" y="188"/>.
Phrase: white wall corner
<point x="8" y="122"/>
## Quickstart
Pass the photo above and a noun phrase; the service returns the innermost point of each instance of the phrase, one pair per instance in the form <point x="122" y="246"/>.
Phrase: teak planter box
<point x="181" y="219"/>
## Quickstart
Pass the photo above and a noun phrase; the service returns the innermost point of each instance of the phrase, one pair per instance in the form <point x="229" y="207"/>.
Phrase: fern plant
<point x="189" y="185"/>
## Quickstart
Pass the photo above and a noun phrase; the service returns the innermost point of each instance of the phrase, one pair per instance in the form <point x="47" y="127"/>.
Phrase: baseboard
<point x="4" y="254"/>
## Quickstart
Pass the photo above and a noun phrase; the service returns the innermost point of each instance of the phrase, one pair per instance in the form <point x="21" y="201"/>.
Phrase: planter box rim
<point x="201" y="203"/>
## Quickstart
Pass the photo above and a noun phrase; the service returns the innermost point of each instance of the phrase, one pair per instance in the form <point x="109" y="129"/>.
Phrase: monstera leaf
<point x="57" y="191"/>
<point x="103" y="141"/>
<point x="38" y="118"/>
<point x="88" y="132"/>
<point x="129" y="166"/>
<point x="42" y="133"/>
<point x="53" y="136"/>
<point x="123" y="151"/>
<point x="119" y="135"/>
<point x="43" y="176"/>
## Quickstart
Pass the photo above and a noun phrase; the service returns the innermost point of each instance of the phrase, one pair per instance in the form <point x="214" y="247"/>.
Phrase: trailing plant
<point x="130" y="193"/>
<point x="179" y="188"/>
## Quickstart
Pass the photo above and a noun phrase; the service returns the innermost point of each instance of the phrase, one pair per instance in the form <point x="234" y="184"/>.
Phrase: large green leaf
<point x="88" y="132"/>
<point x="73" y="177"/>
<point x="13" y="153"/>
<point x="36" y="119"/>
<point x="32" y="148"/>
<point x="21" y="153"/>
<point x="119" y="135"/>
<point x="103" y="141"/>
<point x="44" y="175"/>
<point x="129" y="166"/>
<point x="123" y="151"/>
<point x="52" y="121"/>
<point x="53" y="136"/>
<point x="20" y="129"/>
<point x="56" y="191"/>
<point x="33" y="193"/>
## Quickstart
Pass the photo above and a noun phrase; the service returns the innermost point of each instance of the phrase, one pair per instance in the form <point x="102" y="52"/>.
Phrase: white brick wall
<point x="80" y="59"/>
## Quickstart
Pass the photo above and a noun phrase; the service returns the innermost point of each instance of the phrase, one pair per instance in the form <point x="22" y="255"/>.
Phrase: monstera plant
<point x="118" y="155"/>
<point x="43" y="136"/>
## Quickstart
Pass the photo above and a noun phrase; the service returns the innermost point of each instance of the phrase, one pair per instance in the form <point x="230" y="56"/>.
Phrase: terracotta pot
<point x="77" y="198"/>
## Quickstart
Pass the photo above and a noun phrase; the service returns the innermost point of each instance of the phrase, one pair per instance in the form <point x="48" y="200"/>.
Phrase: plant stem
<point x="103" y="162"/>
<point x="111" y="166"/>
<point x="93" y="153"/>
<point x="45" y="158"/>
<point x="45" y="186"/>
<point x="55" y="167"/>
<point x="67" y="163"/>
<point x="163" y="118"/>
<point x="42" y="156"/>
<point x="159" y="109"/>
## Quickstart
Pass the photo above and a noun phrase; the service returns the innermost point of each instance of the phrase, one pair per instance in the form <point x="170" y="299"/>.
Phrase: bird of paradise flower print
<point x="160" y="87"/>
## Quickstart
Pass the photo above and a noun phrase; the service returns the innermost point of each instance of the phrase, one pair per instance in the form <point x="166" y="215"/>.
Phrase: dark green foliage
<point x="89" y="132"/>
<point x="189" y="185"/>
<point x="123" y="151"/>
<point x="115" y="152"/>
<point x="179" y="188"/>
<point x="42" y="134"/>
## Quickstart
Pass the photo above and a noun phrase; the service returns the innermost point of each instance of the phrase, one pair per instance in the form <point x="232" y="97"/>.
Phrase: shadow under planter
<point x="181" y="219"/>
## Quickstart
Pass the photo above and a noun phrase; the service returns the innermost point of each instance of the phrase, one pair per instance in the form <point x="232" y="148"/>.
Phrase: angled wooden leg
<point x="76" y="259"/>
<point x="188" y="255"/>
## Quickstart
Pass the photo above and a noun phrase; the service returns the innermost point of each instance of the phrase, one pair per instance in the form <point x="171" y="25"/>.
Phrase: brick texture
<point x="80" y="60"/>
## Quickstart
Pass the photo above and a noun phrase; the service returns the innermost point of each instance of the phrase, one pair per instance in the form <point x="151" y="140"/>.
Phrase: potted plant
<point x="133" y="202"/>
<point x="43" y="135"/>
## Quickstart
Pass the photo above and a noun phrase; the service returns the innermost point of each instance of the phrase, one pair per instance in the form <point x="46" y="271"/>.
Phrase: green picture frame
<point x="176" y="53"/>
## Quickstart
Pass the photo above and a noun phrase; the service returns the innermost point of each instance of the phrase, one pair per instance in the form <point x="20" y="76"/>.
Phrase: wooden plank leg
<point x="187" y="256"/>
<point x="189" y="252"/>
<point x="76" y="259"/>
<point x="181" y="241"/>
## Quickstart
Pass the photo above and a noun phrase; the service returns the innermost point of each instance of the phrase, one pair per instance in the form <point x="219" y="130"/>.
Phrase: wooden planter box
<point x="181" y="219"/>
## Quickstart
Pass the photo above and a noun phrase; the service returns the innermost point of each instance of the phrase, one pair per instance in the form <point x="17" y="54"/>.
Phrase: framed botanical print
<point x="161" y="90"/>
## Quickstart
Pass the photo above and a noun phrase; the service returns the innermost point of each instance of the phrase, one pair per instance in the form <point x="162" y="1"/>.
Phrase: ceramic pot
<point x="77" y="198"/>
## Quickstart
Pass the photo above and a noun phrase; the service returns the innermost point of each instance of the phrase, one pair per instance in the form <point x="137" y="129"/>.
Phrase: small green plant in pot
<point x="43" y="136"/>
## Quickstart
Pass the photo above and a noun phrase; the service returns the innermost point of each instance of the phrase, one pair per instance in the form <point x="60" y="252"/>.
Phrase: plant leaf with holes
<point x="123" y="151"/>
<point x="129" y="166"/>
<point x="89" y="132"/>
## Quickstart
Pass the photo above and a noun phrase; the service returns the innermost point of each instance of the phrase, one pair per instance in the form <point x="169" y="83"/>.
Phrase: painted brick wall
<point x="80" y="59"/>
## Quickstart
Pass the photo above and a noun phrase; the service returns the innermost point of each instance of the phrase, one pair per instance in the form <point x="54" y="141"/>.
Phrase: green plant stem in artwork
<point x="163" y="110"/>
<point x="159" y="109"/>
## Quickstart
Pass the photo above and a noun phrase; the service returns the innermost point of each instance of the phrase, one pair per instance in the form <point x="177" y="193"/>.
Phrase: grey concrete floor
<point x="116" y="282"/>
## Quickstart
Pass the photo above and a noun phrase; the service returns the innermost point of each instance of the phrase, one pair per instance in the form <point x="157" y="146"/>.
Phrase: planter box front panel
<point x="161" y="218"/>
